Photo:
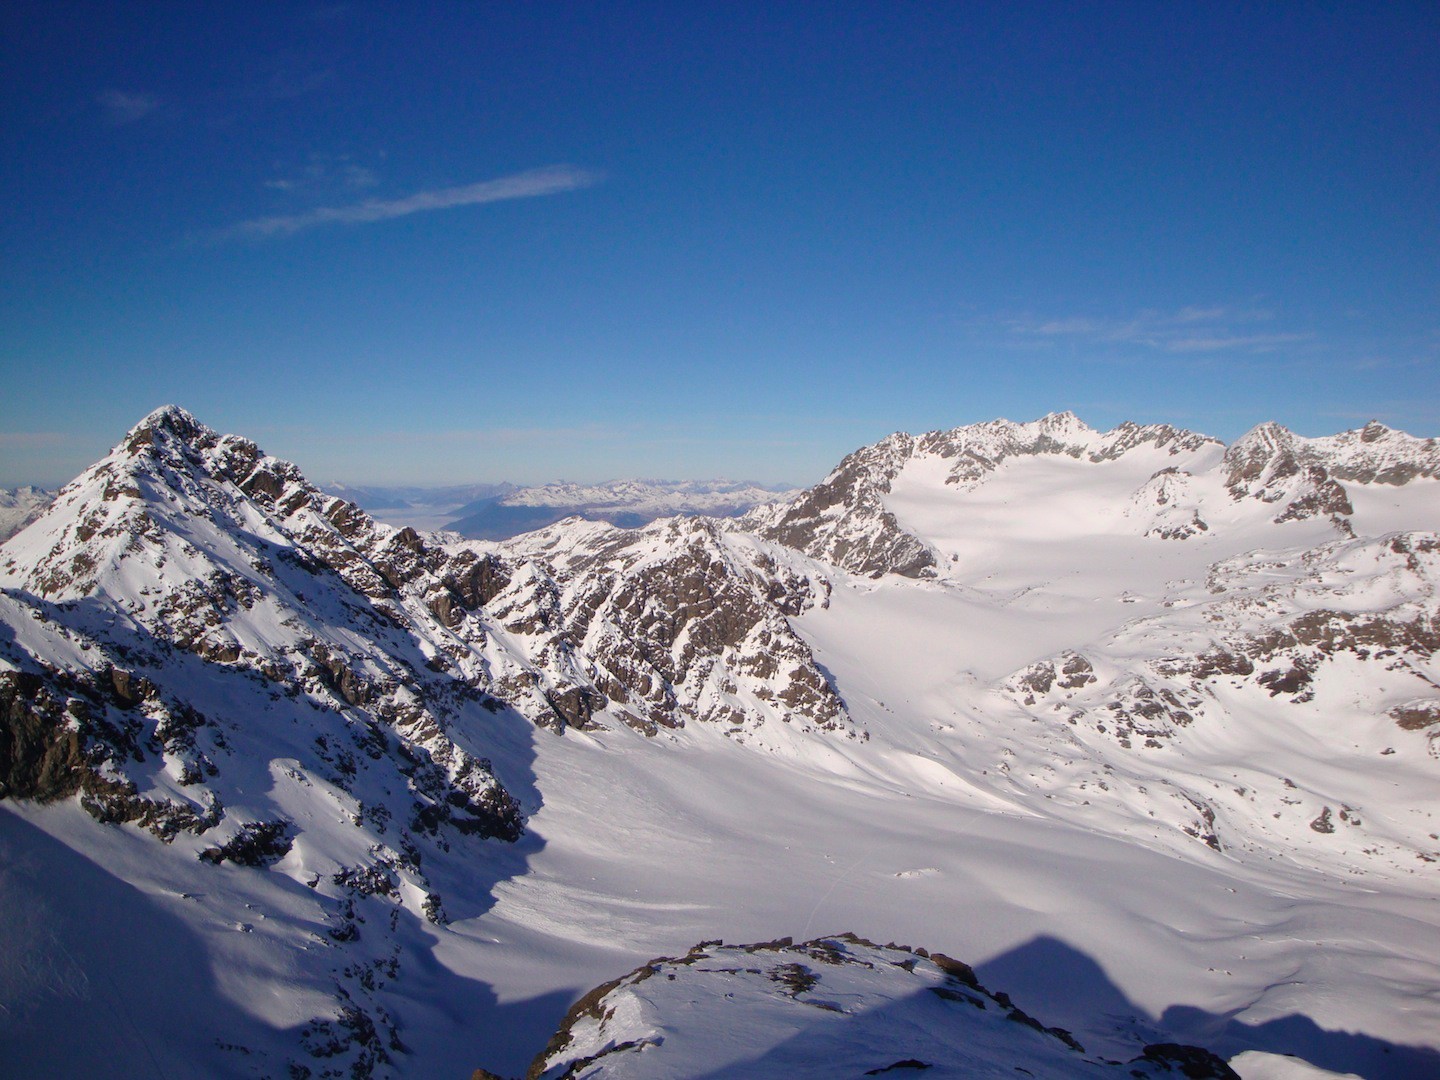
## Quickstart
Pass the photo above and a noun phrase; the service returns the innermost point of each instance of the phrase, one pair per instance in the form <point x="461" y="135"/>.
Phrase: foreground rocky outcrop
<point x="835" y="1006"/>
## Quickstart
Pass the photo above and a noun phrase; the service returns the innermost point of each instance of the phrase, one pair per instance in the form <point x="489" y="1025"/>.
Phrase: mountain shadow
<point x="1055" y="983"/>
<point x="1063" y="983"/>
<point x="125" y="956"/>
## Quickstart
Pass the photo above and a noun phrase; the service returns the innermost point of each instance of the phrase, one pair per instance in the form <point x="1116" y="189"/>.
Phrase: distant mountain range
<point x="500" y="511"/>
<point x="1144" y="726"/>
<point x="20" y="506"/>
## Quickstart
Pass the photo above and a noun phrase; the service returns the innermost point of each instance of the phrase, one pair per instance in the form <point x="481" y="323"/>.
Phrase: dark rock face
<point x="258" y="843"/>
<point x="1070" y="671"/>
<point x="1417" y="716"/>
<point x="668" y="624"/>
<point x="843" y="519"/>
<point x="60" y="730"/>
<point x="1189" y="1061"/>
<point x="1271" y="465"/>
<point x="39" y="757"/>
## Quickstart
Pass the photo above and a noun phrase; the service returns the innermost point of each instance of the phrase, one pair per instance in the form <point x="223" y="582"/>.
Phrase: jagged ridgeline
<point x="196" y="640"/>
<point x="188" y="597"/>
<point x="847" y="519"/>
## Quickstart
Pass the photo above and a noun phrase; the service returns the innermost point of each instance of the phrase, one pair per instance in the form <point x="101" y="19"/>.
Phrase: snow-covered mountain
<point x="846" y="519"/>
<point x="1135" y="707"/>
<point x="203" y="644"/>
<point x="20" y="506"/>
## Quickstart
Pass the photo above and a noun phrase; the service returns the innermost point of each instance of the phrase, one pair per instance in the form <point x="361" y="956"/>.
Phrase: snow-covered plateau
<point x="1141" y="728"/>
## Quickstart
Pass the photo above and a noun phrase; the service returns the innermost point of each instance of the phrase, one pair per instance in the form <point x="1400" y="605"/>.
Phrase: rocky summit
<point x="1143" y="725"/>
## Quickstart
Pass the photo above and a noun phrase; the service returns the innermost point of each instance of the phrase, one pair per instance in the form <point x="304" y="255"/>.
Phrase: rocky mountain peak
<point x="1376" y="454"/>
<point x="1262" y="447"/>
<point x="1064" y="423"/>
<point x="1373" y="431"/>
<point x="167" y="432"/>
<point x="1303" y="475"/>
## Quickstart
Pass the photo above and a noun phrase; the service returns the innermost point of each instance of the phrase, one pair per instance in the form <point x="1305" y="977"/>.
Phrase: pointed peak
<point x="168" y="420"/>
<point x="172" y="417"/>
<point x="1064" y="425"/>
<point x="1270" y="432"/>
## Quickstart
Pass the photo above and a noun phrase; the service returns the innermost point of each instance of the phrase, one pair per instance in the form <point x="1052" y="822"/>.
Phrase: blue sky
<point x="480" y="241"/>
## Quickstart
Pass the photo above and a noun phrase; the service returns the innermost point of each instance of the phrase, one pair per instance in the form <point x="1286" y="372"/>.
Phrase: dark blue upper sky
<point x="438" y="242"/>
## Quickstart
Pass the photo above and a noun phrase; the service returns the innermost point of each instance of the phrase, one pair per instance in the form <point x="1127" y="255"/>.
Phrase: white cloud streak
<point x="1250" y="342"/>
<point x="526" y="185"/>
<point x="125" y="107"/>
<point x="1189" y="330"/>
<point x="322" y="171"/>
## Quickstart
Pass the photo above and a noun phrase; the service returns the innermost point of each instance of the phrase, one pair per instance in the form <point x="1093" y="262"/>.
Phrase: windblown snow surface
<point x="1147" y="777"/>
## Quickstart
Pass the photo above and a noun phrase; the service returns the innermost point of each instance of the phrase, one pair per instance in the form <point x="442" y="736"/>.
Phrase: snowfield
<point x="1140" y="727"/>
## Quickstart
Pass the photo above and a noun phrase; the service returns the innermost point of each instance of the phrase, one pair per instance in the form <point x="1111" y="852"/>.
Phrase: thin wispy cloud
<point x="323" y="172"/>
<point x="1251" y="342"/>
<point x="526" y="185"/>
<point x="1189" y="330"/>
<point x="125" y="106"/>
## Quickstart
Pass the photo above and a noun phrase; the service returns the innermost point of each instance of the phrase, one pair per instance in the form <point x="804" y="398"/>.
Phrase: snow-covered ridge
<point x="845" y="519"/>
<point x="806" y="1008"/>
<point x="199" y="642"/>
<point x="206" y="499"/>
<point x="849" y="519"/>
